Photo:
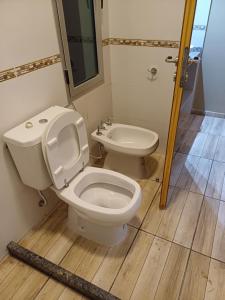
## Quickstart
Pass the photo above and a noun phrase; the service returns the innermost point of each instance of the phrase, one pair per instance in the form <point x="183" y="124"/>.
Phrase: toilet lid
<point x="65" y="147"/>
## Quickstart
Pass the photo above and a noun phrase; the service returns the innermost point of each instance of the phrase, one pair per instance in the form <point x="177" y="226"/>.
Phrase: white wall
<point x="136" y="99"/>
<point x="211" y="88"/>
<point x="28" y="33"/>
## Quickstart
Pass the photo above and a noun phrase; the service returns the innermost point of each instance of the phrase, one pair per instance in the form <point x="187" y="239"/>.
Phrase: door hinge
<point x="66" y="76"/>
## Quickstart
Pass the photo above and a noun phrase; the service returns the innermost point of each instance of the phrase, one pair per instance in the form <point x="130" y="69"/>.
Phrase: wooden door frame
<point x="188" y="20"/>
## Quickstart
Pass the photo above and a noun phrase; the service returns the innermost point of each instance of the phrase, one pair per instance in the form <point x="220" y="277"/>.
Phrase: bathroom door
<point x="189" y="14"/>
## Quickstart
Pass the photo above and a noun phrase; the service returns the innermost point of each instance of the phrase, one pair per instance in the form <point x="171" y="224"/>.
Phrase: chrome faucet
<point x="102" y="125"/>
<point x="108" y="122"/>
<point x="98" y="131"/>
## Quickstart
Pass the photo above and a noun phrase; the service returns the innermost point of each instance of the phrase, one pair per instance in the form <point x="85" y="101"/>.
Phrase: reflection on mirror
<point x="80" y="38"/>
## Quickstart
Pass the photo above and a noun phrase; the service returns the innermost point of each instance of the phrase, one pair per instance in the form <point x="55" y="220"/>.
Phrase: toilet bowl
<point x="53" y="152"/>
<point x="126" y="148"/>
<point x="101" y="203"/>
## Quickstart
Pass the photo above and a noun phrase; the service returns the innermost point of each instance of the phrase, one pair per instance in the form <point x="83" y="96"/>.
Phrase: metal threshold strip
<point x="58" y="273"/>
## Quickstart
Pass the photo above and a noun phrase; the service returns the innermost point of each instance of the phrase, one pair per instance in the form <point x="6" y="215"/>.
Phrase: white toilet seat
<point x="118" y="187"/>
<point x="65" y="147"/>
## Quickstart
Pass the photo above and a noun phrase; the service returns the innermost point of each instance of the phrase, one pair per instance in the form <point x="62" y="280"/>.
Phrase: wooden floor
<point x="178" y="253"/>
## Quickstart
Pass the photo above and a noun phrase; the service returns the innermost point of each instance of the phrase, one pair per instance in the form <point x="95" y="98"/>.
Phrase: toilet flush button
<point x="28" y="125"/>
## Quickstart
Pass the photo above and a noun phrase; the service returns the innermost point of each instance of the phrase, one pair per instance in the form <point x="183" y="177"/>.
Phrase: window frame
<point x="77" y="91"/>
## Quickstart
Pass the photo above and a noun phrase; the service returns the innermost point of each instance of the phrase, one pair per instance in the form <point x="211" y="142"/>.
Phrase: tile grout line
<point x="144" y="264"/>
<point x="194" y="236"/>
<point x="159" y="187"/>
<point x="183" y="246"/>
<point x="124" y="259"/>
<point x="180" y="216"/>
<point x="48" y="277"/>
<point x="163" y="270"/>
<point x="18" y="262"/>
<point x="138" y="230"/>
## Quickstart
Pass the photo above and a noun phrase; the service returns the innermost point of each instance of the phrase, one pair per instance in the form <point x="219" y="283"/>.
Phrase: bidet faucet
<point x="108" y="122"/>
<point x="98" y="131"/>
<point x="102" y="125"/>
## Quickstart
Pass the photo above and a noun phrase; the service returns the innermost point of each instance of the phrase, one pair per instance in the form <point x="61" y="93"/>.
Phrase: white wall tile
<point x="146" y="19"/>
<point x="27" y="31"/>
<point x="138" y="99"/>
<point x="22" y="98"/>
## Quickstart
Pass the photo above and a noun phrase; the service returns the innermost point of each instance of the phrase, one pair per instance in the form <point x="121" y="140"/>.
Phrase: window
<point x="79" y="30"/>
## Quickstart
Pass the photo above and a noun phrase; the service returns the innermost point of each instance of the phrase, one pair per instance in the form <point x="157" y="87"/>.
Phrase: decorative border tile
<point x="30" y="67"/>
<point x="140" y="42"/>
<point x="7" y="74"/>
<point x="48" y="61"/>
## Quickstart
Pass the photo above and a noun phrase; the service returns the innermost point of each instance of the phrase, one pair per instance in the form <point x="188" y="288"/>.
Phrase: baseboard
<point x="208" y="113"/>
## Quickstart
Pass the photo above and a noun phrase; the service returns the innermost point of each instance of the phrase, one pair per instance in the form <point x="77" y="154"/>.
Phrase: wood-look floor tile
<point x="6" y="266"/>
<point x="179" y="138"/>
<point x="188" y="141"/>
<point x="132" y="266"/>
<point x="154" y="216"/>
<point x="217" y="126"/>
<point x="82" y="251"/>
<point x="204" y="236"/>
<point x="220" y="150"/>
<point x="188" y="172"/>
<point x="188" y="221"/>
<point x="172" y="276"/>
<point x="185" y="120"/>
<point x="222" y="197"/>
<point x="171" y="216"/>
<point x="207" y="124"/>
<point x="218" y="251"/>
<point x="178" y="163"/>
<point x="210" y="146"/>
<point x="196" y="123"/>
<point x="198" y="144"/>
<point x="33" y="284"/>
<point x="148" y="193"/>
<point x="201" y="177"/>
<point x="151" y="272"/>
<point x="51" y="291"/>
<point x="86" y="269"/>
<point x="195" y="278"/>
<point x="216" y="180"/>
<point x="46" y="241"/>
<point x="215" y="289"/>
<point x="108" y="270"/>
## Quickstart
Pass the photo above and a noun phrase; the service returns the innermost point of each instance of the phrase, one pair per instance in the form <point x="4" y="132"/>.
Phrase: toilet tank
<point x="25" y="145"/>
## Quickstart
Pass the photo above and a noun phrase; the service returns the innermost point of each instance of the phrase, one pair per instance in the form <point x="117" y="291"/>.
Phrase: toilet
<point x="51" y="150"/>
<point x="126" y="148"/>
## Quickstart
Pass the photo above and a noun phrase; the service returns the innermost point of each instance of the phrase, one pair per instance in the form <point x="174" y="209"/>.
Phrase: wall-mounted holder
<point x="152" y="73"/>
